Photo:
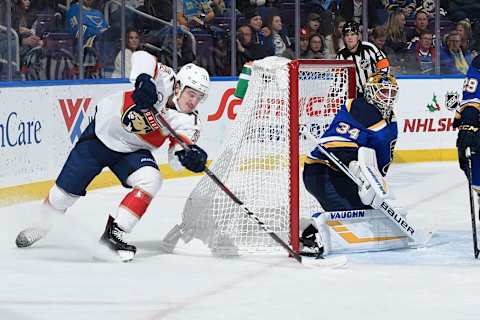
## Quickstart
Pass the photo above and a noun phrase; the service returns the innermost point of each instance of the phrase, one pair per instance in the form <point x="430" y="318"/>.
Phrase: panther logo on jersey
<point x="135" y="122"/>
<point x="364" y="64"/>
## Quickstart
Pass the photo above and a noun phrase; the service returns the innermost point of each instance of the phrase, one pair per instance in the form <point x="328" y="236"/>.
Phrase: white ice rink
<point x="57" y="278"/>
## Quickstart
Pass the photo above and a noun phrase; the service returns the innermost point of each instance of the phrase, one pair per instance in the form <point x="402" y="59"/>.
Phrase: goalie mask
<point x="381" y="90"/>
<point x="194" y="77"/>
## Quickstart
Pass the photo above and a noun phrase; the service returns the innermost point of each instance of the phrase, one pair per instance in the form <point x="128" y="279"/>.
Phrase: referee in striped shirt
<point x="366" y="56"/>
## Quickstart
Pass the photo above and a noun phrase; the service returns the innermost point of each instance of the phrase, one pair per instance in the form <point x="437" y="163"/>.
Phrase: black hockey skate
<point x="309" y="243"/>
<point x="113" y="238"/>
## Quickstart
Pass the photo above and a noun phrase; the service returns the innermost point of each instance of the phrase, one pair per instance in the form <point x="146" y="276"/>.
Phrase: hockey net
<point x="261" y="159"/>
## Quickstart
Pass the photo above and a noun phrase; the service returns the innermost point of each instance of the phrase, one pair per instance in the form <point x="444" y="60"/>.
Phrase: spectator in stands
<point x="194" y="14"/>
<point x="303" y="42"/>
<point x="420" y="25"/>
<point x="464" y="30"/>
<point x="263" y="43"/>
<point x="406" y="6"/>
<point x="281" y="42"/>
<point x="320" y="22"/>
<point x="247" y="51"/>
<point x="475" y="44"/>
<point x="23" y="19"/>
<point x="221" y="54"/>
<point x="396" y="38"/>
<point x="461" y="9"/>
<point x="313" y="24"/>
<point x="94" y="22"/>
<point x="243" y="6"/>
<point x="165" y="55"/>
<point x="331" y="6"/>
<point x="353" y="10"/>
<point x="379" y="37"/>
<point x="45" y="6"/>
<point x="424" y="54"/>
<point x="246" y="5"/>
<point x="452" y="59"/>
<point x="334" y="41"/>
<point x="428" y="6"/>
<point x="316" y="47"/>
<point x="132" y="45"/>
<point x="218" y="7"/>
<point x="161" y="9"/>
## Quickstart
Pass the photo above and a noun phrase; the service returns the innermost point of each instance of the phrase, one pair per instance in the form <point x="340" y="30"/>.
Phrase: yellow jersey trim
<point x="340" y="144"/>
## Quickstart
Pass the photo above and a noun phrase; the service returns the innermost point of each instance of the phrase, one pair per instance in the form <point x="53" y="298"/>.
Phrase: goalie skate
<point x="113" y="239"/>
<point x="29" y="236"/>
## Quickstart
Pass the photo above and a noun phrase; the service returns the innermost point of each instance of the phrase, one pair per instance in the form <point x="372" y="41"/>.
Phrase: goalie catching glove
<point x="373" y="188"/>
<point x="193" y="159"/>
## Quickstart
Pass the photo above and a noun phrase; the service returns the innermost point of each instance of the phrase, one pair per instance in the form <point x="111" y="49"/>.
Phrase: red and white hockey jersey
<point x="123" y="129"/>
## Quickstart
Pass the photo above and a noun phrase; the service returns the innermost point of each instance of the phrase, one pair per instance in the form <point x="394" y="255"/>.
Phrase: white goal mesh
<point x="260" y="161"/>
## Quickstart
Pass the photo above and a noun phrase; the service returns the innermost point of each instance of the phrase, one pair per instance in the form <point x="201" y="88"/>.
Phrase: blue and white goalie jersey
<point x="358" y="124"/>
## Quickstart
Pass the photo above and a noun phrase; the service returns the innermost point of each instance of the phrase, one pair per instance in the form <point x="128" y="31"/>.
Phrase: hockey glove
<point x="194" y="159"/>
<point x="468" y="137"/>
<point x="145" y="93"/>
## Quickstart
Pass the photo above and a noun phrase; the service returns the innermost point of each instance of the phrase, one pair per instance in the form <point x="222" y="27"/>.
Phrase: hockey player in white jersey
<point x="121" y="137"/>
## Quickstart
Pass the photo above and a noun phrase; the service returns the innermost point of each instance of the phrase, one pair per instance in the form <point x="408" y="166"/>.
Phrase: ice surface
<point x="59" y="279"/>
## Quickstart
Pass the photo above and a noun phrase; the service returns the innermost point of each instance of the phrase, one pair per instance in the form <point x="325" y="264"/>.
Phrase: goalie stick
<point x="468" y="155"/>
<point x="225" y="189"/>
<point x="419" y="237"/>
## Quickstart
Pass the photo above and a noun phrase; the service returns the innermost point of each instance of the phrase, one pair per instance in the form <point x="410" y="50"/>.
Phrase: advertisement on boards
<point x="39" y="125"/>
<point x="423" y="113"/>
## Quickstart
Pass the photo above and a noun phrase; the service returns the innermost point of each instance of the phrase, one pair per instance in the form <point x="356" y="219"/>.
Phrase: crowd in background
<point x="46" y="42"/>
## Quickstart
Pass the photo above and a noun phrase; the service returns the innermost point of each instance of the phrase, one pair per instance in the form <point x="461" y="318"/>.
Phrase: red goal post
<point x="343" y="67"/>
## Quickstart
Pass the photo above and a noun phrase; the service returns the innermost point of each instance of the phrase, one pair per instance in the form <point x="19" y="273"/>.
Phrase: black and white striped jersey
<point x="368" y="59"/>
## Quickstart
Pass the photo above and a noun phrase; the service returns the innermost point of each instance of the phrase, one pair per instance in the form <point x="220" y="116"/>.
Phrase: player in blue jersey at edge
<point x="468" y="123"/>
<point x="363" y="136"/>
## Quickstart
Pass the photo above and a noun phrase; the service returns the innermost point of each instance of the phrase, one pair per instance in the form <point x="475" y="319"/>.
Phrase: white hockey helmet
<point x="381" y="90"/>
<point x="195" y="77"/>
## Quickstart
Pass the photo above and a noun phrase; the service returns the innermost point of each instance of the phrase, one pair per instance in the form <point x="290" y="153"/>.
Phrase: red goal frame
<point x="294" y="68"/>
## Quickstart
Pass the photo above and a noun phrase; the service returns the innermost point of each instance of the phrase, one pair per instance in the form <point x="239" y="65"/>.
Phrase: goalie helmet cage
<point x="260" y="160"/>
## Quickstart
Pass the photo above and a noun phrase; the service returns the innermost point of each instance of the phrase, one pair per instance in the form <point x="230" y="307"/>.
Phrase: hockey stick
<point x="225" y="189"/>
<point x="407" y="228"/>
<point x="468" y="155"/>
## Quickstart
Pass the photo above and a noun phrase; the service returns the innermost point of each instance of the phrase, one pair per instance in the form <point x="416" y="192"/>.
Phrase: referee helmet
<point x="350" y="27"/>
